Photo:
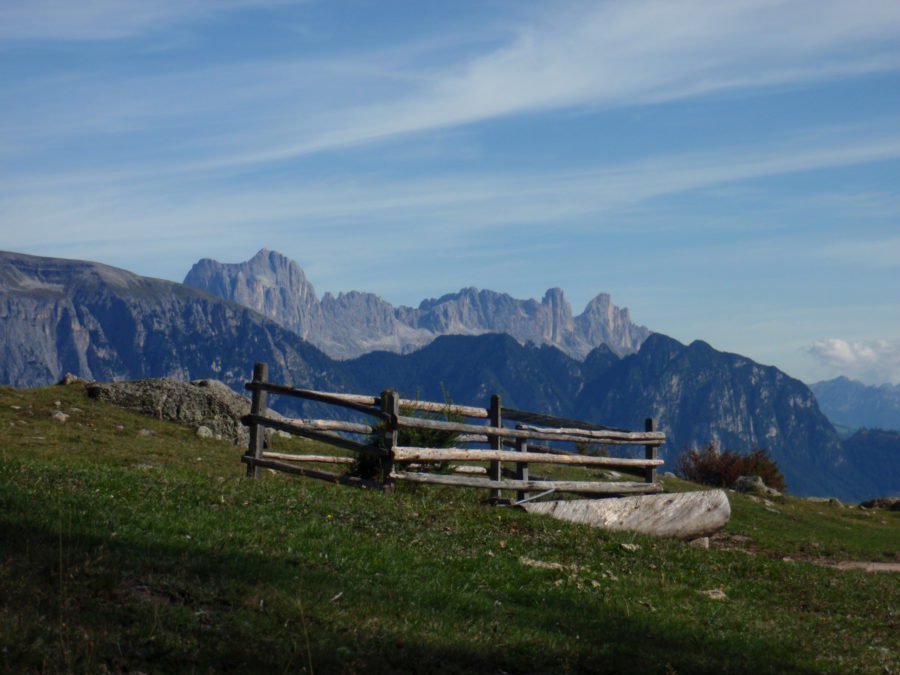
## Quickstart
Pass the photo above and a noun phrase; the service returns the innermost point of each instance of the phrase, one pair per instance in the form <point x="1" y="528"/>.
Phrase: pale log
<point x="322" y="459"/>
<point x="686" y="515"/>
<point x="447" y="409"/>
<point x="604" y="435"/>
<point x="321" y="436"/>
<point x="343" y="479"/>
<point x="407" y="454"/>
<point x="363" y="404"/>
<point x="528" y="485"/>
<point x="540" y="434"/>
<point x="331" y="425"/>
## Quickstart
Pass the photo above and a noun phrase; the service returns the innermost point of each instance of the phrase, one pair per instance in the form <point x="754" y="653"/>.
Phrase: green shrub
<point x="721" y="468"/>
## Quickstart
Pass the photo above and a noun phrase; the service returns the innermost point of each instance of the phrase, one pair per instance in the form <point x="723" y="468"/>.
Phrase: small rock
<point x="714" y="594"/>
<point x="630" y="547"/>
<point x="120" y="427"/>
<point x="700" y="542"/>
<point x="204" y="432"/>
<point x="146" y="432"/>
<point x="69" y="378"/>
<point x="60" y="416"/>
<point x="754" y="485"/>
<point x="835" y="502"/>
<point x="57" y="403"/>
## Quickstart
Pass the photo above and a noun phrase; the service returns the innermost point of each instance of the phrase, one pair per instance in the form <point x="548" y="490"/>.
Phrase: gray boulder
<point x="201" y="403"/>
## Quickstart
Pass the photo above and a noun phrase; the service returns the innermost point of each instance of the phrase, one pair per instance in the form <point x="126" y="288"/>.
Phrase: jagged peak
<point x="554" y="294"/>
<point x="601" y="300"/>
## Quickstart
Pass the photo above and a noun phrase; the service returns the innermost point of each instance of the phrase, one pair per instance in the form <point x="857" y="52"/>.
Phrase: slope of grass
<point x="128" y="544"/>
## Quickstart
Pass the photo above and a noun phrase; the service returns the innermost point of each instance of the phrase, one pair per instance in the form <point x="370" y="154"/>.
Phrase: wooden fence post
<point x="257" y="407"/>
<point x="496" y="443"/>
<point x="521" y="467"/>
<point x="390" y="403"/>
<point x="650" y="452"/>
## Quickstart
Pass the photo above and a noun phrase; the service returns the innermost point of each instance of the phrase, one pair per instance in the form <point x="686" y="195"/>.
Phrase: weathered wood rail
<point x="395" y="462"/>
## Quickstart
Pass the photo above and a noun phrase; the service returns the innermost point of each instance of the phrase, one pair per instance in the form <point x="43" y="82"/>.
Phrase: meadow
<point x="128" y="544"/>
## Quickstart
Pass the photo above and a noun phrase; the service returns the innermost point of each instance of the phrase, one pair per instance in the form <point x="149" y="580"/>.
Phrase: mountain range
<point x="351" y="324"/>
<point x="99" y="322"/>
<point x="854" y="405"/>
<point x="104" y="323"/>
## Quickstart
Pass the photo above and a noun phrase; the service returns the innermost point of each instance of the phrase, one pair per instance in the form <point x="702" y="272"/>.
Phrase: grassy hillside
<point x="128" y="544"/>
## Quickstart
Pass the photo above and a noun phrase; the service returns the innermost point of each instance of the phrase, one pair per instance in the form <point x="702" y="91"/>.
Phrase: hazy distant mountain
<point x="876" y="452"/>
<point x="853" y="404"/>
<point x="99" y="322"/>
<point x="355" y="323"/>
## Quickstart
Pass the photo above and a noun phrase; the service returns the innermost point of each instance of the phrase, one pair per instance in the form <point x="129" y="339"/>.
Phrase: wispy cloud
<point x="437" y="208"/>
<point x="622" y="54"/>
<point x="577" y="56"/>
<point x="874" y="361"/>
<point x="867" y="252"/>
<point x="104" y="19"/>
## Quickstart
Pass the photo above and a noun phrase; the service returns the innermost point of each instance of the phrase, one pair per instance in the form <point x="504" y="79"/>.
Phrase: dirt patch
<point x="724" y="541"/>
<point x="859" y="565"/>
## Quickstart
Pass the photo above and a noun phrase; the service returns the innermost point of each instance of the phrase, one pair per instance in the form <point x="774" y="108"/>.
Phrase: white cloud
<point x="873" y="361"/>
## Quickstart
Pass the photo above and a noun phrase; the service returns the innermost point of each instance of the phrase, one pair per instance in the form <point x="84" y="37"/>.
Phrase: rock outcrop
<point x="351" y="324"/>
<point x="201" y="404"/>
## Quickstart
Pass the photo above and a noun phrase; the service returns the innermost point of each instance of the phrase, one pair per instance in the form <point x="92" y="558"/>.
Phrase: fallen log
<point x="683" y="515"/>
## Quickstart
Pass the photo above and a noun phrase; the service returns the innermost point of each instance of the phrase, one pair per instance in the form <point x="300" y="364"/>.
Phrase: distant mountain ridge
<point x="855" y="405"/>
<point x="351" y="324"/>
<point x="104" y="323"/>
<point x="698" y="395"/>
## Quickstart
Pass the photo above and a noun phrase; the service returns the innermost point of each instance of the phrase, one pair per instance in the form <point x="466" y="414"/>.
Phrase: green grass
<point x="123" y="550"/>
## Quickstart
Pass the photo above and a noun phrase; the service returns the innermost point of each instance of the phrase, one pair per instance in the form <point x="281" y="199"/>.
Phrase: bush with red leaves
<point x="721" y="468"/>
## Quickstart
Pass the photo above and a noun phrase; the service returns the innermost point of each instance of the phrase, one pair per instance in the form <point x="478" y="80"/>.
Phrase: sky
<point x="728" y="171"/>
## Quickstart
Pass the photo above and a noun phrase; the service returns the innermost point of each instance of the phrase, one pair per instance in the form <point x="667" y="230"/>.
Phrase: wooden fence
<point x="379" y="443"/>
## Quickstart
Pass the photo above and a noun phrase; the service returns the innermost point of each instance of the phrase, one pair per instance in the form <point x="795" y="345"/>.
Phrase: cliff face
<point x="59" y="316"/>
<point x="355" y="323"/>
<point x="700" y="395"/>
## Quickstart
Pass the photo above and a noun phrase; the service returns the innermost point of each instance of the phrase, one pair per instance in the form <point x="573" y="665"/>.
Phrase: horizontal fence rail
<point x="393" y="461"/>
<point x="404" y="454"/>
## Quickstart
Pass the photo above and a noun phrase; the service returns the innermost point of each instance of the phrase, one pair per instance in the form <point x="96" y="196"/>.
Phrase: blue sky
<point x="728" y="171"/>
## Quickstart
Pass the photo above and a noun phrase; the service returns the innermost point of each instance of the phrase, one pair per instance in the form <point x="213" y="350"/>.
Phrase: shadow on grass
<point x="82" y="603"/>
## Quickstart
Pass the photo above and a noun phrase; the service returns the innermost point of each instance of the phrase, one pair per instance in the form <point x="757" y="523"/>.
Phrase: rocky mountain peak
<point x="356" y="322"/>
